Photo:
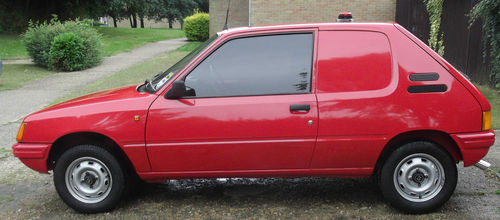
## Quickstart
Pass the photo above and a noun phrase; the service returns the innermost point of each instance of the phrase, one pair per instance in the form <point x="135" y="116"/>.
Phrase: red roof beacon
<point x="345" y="17"/>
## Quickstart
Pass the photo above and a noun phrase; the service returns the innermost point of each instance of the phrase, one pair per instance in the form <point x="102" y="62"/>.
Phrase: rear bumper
<point x="32" y="155"/>
<point x="474" y="146"/>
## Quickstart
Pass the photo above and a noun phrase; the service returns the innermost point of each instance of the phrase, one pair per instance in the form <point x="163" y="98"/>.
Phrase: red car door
<point x="253" y="109"/>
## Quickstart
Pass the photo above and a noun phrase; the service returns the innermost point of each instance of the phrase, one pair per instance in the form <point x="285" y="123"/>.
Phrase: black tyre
<point x="418" y="177"/>
<point x="89" y="179"/>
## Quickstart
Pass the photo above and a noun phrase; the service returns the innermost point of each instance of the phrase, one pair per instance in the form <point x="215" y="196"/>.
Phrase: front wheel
<point x="418" y="177"/>
<point x="89" y="179"/>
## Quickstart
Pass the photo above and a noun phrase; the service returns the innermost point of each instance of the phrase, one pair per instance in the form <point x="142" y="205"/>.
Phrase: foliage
<point x="67" y="52"/>
<point x="15" y="14"/>
<point x="196" y="27"/>
<point x="172" y="10"/>
<point x="131" y="75"/>
<point x="39" y="38"/>
<point x="202" y="5"/>
<point x="489" y="12"/>
<point x="435" y="9"/>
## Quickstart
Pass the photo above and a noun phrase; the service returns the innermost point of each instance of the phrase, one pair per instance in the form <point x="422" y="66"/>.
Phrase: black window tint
<point x="263" y="65"/>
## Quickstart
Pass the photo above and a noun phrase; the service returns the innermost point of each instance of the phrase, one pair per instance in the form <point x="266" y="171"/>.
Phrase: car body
<point x="236" y="108"/>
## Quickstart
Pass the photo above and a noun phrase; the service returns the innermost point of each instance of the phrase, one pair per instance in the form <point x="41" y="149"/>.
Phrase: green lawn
<point x="494" y="98"/>
<point x="17" y="75"/>
<point x="11" y="47"/>
<point x="189" y="46"/>
<point x="115" y="40"/>
<point x="132" y="75"/>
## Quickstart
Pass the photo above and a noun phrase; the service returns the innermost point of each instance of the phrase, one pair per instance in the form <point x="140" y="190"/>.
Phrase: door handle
<point x="300" y="107"/>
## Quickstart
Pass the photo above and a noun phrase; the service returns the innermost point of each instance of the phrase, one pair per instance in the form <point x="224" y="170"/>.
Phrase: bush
<point x="67" y="52"/>
<point x="196" y="26"/>
<point x="39" y="42"/>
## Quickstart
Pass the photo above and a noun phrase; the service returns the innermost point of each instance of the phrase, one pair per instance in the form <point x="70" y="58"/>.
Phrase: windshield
<point x="162" y="78"/>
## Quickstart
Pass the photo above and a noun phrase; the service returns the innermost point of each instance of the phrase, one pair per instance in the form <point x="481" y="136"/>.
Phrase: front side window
<point x="262" y="65"/>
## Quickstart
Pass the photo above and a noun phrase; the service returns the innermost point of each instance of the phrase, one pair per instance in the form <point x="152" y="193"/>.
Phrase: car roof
<point x="349" y="25"/>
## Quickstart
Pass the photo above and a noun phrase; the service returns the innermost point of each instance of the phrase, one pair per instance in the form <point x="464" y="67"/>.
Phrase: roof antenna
<point x="227" y="15"/>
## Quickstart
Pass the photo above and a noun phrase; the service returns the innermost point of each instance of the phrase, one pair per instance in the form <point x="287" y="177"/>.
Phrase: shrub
<point x="67" y="52"/>
<point x="196" y="26"/>
<point x="38" y="40"/>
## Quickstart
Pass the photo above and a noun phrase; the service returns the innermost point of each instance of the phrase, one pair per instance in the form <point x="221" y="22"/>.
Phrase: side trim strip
<point x="417" y="77"/>
<point x="427" y="88"/>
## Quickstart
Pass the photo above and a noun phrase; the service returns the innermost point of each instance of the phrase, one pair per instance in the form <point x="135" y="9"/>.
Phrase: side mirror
<point x="179" y="90"/>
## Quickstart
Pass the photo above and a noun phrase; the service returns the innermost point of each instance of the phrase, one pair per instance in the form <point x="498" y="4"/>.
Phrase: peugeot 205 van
<point x="327" y="100"/>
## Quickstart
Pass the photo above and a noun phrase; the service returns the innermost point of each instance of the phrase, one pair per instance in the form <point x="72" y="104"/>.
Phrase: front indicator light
<point x="486" y="120"/>
<point x="20" y="133"/>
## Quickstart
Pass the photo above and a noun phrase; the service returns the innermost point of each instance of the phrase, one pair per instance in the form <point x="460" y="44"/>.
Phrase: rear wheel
<point x="89" y="179"/>
<point x="418" y="177"/>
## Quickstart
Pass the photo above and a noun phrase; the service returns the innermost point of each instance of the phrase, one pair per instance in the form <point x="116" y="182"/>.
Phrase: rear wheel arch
<point x="68" y="141"/>
<point x="440" y="138"/>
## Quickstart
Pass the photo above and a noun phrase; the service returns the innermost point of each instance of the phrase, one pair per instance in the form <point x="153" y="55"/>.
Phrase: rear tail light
<point x="486" y="120"/>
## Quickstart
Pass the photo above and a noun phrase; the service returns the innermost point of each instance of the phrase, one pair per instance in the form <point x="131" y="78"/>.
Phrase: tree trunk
<point x="131" y="24"/>
<point x="182" y="23"/>
<point x="135" y="20"/>
<point x="170" y="25"/>
<point x="114" y="21"/>
<point x="142" y="21"/>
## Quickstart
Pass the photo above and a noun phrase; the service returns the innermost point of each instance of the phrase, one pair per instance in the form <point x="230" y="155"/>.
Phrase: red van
<point x="329" y="100"/>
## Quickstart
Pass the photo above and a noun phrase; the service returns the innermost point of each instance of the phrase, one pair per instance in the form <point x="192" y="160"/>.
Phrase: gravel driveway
<point x="27" y="194"/>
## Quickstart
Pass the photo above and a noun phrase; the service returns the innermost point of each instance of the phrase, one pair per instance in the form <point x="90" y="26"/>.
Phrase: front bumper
<point x="474" y="146"/>
<point x="32" y="155"/>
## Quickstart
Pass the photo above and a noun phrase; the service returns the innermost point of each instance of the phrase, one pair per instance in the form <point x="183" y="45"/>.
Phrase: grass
<point x="17" y="75"/>
<point x="129" y="76"/>
<point x="118" y="40"/>
<point x="6" y="198"/>
<point x="494" y="98"/>
<point x="11" y="47"/>
<point x="115" y="40"/>
<point x="189" y="46"/>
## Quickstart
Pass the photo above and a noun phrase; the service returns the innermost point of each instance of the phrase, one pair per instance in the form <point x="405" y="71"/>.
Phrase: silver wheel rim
<point x="88" y="180"/>
<point x="419" y="177"/>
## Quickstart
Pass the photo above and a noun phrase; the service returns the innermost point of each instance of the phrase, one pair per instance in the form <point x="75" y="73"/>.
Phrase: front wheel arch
<point x="68" y="141"/>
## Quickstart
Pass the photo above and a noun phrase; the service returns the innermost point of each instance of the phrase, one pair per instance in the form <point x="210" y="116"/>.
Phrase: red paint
<point x="354" y="116"/>
<point x="474" y="145"/>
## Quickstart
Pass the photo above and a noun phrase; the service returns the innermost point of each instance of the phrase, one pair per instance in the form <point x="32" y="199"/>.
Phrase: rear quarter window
<point x="353" y="61"/>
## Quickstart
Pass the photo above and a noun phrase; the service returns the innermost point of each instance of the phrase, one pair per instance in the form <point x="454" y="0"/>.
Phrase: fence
<point x="463" y="46"/>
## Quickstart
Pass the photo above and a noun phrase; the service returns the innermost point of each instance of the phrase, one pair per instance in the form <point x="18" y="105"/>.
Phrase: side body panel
<point x="228" y="134"/>
<point x="355" y="126"/>
<point x="233" y="133"/>
<point x="94" y="114"/>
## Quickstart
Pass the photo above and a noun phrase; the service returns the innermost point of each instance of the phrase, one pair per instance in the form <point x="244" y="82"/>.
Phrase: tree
<point x="115" y="10"/>
<point x="172" y="10"/>
<point x="202" y="5"/>
<point x="489" y="13"/>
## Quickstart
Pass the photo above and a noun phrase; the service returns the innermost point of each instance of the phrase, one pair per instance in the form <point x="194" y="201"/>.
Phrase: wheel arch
<point x="68" y="141"/>
<point x="440" y="138"/>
